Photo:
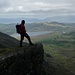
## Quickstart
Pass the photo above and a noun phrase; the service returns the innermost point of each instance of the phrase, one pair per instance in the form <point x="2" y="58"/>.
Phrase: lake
<point x="34" y="33"/>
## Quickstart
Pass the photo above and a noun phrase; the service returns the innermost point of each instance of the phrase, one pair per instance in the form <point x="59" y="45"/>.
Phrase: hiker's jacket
<point x="23" y="30"/>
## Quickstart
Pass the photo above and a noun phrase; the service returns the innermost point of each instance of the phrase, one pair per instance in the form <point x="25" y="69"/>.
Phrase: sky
<point x="36" y="8"/>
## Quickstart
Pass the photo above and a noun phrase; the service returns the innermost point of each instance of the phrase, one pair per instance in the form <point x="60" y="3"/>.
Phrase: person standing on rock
<point x="24" y="34"/>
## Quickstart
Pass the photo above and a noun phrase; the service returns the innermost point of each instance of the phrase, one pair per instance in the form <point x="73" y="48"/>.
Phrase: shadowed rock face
<point x="7" y="41"/>
<point x="25" y="61"/>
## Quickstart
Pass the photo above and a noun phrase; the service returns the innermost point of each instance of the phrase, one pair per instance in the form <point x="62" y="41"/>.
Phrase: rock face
<point x="25" y="61"/>
<point x="7" y="41"/>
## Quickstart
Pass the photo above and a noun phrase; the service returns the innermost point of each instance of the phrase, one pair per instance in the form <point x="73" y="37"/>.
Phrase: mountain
<point x="17" y="20"/>
<point x="33" y="27"/>
<point x="54" y="22"/>
<point x="29" y="60"/>
<point x="7" y="41"/>
<point x="61" y="19"/>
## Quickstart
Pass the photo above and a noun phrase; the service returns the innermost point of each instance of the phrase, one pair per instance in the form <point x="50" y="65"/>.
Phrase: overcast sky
<point x="36" y="8"/>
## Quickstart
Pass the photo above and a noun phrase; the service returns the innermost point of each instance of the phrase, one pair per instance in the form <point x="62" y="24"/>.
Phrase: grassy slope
<point x="6" y="51"/>
<point x="62" y="48"/>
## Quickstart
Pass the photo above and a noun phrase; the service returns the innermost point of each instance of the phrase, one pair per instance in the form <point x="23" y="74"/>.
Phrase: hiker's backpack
<point x="18" y="29"/>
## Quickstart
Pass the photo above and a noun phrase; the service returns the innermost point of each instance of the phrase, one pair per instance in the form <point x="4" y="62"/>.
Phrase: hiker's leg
<point x="21" y="39"/>
<point x="28" y="37"/>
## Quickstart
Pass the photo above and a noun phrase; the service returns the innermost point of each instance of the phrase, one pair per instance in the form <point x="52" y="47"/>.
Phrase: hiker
<point x="24" y="34"/>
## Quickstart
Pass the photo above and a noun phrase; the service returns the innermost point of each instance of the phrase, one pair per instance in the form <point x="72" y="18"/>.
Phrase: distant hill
<point x="32" y="27"/>
<point x="38" y="26"/>
<point x="8" y="28"/>
<point x="61" y="19"/>
<point x="54" y="22"/>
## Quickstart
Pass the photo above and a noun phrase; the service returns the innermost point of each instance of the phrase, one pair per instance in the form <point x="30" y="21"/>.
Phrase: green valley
<point x="62" y="48"/>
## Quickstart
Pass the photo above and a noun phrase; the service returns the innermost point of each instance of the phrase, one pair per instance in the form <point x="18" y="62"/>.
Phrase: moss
<point x="9" y="50"/>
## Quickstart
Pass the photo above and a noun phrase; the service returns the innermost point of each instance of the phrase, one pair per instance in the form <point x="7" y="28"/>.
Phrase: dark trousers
<point x="22" y="38"/>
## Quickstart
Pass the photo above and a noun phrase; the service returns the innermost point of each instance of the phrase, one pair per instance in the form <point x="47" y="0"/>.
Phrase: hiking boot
<point x="31" y="44"/>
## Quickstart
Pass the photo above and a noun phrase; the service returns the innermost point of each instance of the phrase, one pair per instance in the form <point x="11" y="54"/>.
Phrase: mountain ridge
<point x="61" y="19"/>
<point x="7" y="41"/>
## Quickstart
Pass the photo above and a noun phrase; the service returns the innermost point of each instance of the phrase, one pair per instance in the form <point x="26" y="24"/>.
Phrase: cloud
<point x="34" y="6"/>
<point x="4" y="3"/>
<point x="45" y="8"/>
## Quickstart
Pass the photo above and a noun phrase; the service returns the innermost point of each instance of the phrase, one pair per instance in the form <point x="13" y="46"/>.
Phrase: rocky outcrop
<point x="25" y="61"/>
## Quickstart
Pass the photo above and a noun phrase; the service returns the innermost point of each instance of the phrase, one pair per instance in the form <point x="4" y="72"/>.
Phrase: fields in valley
<point x="62" y="48"/>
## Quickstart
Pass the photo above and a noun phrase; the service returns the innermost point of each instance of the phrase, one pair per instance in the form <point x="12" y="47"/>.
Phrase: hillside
<point x="35" y="27"/>
<point x="46" y="26"/>
<point x="7" y="41"/>
<point x="62" y="48"/>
